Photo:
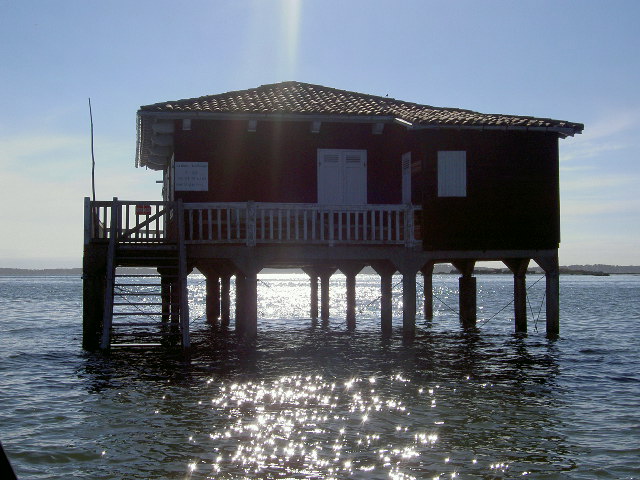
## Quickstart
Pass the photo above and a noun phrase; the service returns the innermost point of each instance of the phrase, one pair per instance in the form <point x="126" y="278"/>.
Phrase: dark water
<point x="308" y="402"/>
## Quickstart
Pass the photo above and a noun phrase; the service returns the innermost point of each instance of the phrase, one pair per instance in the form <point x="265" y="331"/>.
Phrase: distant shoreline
<point x="594" y="270"/>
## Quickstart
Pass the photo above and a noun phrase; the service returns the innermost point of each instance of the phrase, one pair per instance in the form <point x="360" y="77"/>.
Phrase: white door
<point x="342" y="177"/>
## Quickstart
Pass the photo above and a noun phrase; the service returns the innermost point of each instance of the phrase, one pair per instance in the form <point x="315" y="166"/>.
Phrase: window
<point x="452" y="173"/>
<point x="342" y="177"/>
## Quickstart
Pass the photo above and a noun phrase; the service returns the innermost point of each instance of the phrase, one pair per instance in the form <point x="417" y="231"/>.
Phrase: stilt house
<point x="300" y="175"/>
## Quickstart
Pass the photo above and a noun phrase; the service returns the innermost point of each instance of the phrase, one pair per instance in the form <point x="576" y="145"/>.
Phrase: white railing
<point x="301" y="223"/>
<point x="132" y="221"/>
<point x="254" y="223"/>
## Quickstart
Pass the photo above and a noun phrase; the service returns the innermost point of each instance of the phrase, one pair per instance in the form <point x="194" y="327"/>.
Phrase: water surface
<point x="305" y="401"/>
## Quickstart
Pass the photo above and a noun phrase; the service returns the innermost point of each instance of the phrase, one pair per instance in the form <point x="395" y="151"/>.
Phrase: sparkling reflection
<point x="309" y="426"/>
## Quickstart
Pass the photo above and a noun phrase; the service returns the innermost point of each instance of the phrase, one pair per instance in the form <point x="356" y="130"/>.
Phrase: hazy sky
<point x="570" y="60"/>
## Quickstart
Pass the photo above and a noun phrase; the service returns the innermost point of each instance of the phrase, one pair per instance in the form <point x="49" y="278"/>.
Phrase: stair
<point x="141" y="316"/>
<point x="145" y="309"/>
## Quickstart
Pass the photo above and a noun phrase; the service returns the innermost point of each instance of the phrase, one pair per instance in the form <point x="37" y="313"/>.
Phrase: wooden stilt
<point x="212" y="298"/>
<point x="250" y="310"/>
<point x="553" y="304"/>
<point x="427" y="279"/>
<point x="313" y="283"/>
<point x="467" y="293"/>
<point x="409" y="266"/>
<point x="225" y="300"/>
<point x="240" y="303"/>
<point x="350" y="271"/>
<point x="386" y="271"/>
<point x="93" y="294"/>
<point x="519" y="269"/>
<point x="247" y="296"/>
<point x="183" y="273"/>
<point x="409" y="303"/>
<point x="551" y="269"/>
<point x="325" y="277"/>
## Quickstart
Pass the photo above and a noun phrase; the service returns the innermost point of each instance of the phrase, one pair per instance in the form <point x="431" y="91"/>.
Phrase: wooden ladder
<point x="146" y="309"/>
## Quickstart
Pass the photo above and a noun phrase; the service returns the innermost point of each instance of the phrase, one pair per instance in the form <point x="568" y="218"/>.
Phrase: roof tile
<point x="309" y="99"/>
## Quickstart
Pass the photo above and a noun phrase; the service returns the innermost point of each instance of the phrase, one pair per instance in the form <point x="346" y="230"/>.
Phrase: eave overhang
<point x="156" y="129"/>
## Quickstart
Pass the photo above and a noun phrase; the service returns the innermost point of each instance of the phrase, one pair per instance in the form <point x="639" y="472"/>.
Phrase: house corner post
<point x="467" y="293"/>
<point x="553" y="303"/>
<point x="550" y="265"/>
<point x="93" y="295"/>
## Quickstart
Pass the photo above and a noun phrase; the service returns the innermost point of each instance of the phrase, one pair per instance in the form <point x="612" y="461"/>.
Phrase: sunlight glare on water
<point x="307" y="401"/>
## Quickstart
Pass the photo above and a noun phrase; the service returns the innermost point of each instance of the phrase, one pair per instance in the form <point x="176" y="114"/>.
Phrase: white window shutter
<point x="452" y="173"/>
<point x="342" y="177"/>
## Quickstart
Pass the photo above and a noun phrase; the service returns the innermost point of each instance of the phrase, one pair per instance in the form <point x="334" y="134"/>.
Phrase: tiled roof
<point x="296" y="98"/>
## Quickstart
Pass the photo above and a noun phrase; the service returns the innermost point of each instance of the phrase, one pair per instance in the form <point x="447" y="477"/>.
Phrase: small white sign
<point x="192" y="176"/>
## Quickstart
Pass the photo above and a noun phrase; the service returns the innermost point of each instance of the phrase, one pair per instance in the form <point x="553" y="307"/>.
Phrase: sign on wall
<point x="191" y="176"/>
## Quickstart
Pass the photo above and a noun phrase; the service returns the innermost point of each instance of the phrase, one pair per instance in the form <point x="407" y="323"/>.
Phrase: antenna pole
<point x="93" y="159"/>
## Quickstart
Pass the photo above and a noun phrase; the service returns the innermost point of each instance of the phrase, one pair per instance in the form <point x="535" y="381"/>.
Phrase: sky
<point x="569" y="60"/>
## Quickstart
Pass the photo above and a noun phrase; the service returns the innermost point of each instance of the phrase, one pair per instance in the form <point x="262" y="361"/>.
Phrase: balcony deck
<point x="254" y="223"/>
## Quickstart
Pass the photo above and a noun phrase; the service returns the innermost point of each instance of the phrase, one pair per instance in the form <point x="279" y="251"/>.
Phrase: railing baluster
<point x="199" y="224"/>
<point x="288" y="220"/>
<point x="305" y="216"/>
<point x="373" y="225"/>
<point x="238" y="224"/>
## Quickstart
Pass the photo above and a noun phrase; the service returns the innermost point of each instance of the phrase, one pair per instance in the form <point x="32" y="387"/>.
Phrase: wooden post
<point x="313" y="282"/>
<point x="519" y="269"/>
<point x="247" y="296"/>
<point x="409" y="265"/>
<point x="325" y="276"/>
<point x="313" y="310"/>
<point x="351" y="271"/>
<point x="93" y="294"/>
<point x="182" y="280"/>
<point x="386" y="271"/>
<point x="165" y="295"/>
<point x="240" y="316"/>
<point x="88" y="221"/>
<point x="427" y="278"/>
<point x="107" y="317"/>
<point x="467" y="293"/>
<point x="212" y="298"/>
<point x="409" y="303"/>
<point x="225" y="300"/>
<point x="553" y="303"/>
<point x="549" y="263"/>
